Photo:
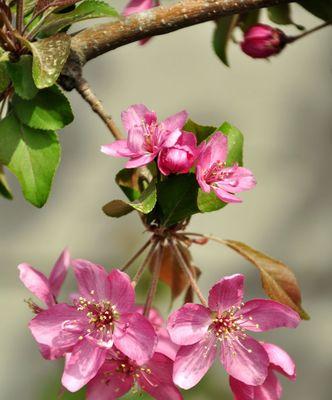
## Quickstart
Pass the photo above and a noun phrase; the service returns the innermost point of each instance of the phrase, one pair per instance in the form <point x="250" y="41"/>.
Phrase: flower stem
<point x="155" y="279"/>
<point x="186" y="269"/>
<point x="145" y="262"/>
<point x="19" y="15"/>
<point x="292" y="39"/>
<point x="136" y="255"/>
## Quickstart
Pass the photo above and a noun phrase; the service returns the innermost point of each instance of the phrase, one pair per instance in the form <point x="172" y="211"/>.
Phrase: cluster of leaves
<point x="172" y="200"/>
<point x="36" y="107"/>
<point x="280" y="15"/>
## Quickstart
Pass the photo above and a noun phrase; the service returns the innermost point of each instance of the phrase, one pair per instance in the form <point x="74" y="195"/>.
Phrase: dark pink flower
<point x="199" y="330"/>
<point x="119" y="374"/>
<point x="263" y="41"/>
<point x="271" y="389"/>
<point x="136" y="6"/>
<point x="146" y="137"/>
<point x="179" y="158"/>
<point x="103" y="315"/>
<point x="46" y="289"/>
<point x="212" y="172"/>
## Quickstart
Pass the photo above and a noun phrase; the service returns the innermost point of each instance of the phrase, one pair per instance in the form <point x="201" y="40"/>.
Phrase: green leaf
<point x="127" y="180"/>
<point x="280" y="14"/>
<point x="320" y="8"/>
<point x="20" y="73"/>
<point x="43" y="5"/>
<point x="49" y="57"/>
<point x="177" y="197"/>
<point x="86" y="10"/>
<point x="4" y="187"/>
<point x="248" y="19"/>
<point x="201" y="132"/>
<point x="117" y="208"/>
<point x="48" y="110"/>
<point x="208" y="202"/>
<point x="147" y="200"/>
<point x="4" y="77"/>
<point x="31" y="155"/>
<point x="222" y="35"/>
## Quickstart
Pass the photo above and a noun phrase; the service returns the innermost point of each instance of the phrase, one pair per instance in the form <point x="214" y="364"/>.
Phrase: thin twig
<point x="85" y="91"/>
<point x="154" y="281"/>
<point x="186" y="269"/>
<point x="209" y="237"/>
<point x="93" y="42"/>
<point x="136" y="255"/>
<point x="292" y="39"/>
<point x="19" y="15"/>
<point x="145" y="262"/>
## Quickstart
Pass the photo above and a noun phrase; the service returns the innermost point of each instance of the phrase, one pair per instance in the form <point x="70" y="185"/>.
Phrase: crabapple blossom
<point x="263" y="41"/>
<point x="119" y="374"/>
<point x="179" y="158"/>
<point x="104" y="315"/>
<point x="271" y="389"/>
<point x="45" y="289"/>
<point x="226" y="320"/>
<point x="212" y="172"/>
<point x="146" y="137"/>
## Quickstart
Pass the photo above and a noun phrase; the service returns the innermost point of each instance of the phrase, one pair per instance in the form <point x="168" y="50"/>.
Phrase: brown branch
<point x="85" y="91"/>
<point x="93" y="42"/>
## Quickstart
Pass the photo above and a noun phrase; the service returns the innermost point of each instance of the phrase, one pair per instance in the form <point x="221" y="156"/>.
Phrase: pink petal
<point x="136" y="115"/>
<point x="37" y="283"/>
<point x="122" y="293"/>
<point x="141" y="161"/>
<point x="59" y="272"/>
<point x="225" y="196"/>
<point x="167" y="138"/>
<point x="135" y="337"/>
<point x="271" y="389"/>
<point x="175" y="121"/>
<point x="226" y="293"/>
<point x="260" y="315"/>
<point x="240" y="390"/>
<point x="82" y="365"/>
<point x="189" y="324"/>
<point x="135" y="6"/>
<point x="240" y="180"/>
<point x="280" y="360"/>
<point x="109" y="384"/>
<point x="192" y="362"/>
<point x="245" y="359"/>
<point x="161" y="392"/>
<point x="217" y="148"/>
<point x="119" y="148"/>
<point x="92" y="280"/>
<point x="201" y="180"/>
<point x="165" y="344"/>
<point x="57" y="330"/>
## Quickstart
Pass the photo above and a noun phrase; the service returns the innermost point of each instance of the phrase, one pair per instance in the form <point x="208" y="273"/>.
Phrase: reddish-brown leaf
<point x="278" y="280"/>
<point x="43" y="5"/>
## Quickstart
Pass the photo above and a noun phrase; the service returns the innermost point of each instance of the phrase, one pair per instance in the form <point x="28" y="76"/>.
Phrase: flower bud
<point x="263" y="41"/>
<point x="179" y="158"/>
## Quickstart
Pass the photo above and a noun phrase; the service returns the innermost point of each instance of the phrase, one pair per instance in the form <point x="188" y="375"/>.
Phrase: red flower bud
<point x="263" y="41"/>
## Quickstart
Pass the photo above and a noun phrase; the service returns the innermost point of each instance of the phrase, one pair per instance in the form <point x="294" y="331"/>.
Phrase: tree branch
<point x="93" y="42"/>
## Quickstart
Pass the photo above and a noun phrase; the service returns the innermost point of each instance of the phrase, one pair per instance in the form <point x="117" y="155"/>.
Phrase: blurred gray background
<point x="284" y="109"/>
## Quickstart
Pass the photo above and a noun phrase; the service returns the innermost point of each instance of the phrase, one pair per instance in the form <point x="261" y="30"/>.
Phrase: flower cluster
<point x="110" y="346"/>
<point x="177" y="152"/>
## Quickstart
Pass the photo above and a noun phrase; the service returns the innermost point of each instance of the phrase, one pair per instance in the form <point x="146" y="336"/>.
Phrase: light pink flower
<point x="179" y="158"/>
<point x="119" y="374"/>
<point x="212" y="172"/>
<point x="263" y="41"/>
<point x="46" y="289"/>
<point x="199" y="330"/>
<point x="136" y="6"/>
<point x="146" y="137"/>
<point x="104" y="315"/>
<point x="271" y="389"/>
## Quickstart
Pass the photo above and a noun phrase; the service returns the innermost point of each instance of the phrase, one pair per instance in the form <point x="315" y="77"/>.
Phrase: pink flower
<point x="199" y="330"/>
<point x="271" y="389"/>
<point x="179" y="158"/>
<point x="119" y="374"/>
<point x="104" y="315"/>
<point x="263" y="41"/>
<point x="46" y="289"/>
<point x="212" y="172"/>
<point x="145" y="136"/>
<point x="136" y="6"/>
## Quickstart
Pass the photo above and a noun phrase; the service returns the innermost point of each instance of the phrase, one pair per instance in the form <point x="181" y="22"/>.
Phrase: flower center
<point x="149" y="130"/>
<point x="226" y="324"/>
<point x="219" y="172"/>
